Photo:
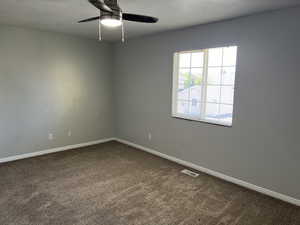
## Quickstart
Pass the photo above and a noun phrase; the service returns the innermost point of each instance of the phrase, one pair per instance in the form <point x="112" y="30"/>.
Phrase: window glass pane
<point x="214" y="76"/>
<point x="185" y="60"/>
<point x="195" y="93"/>
<point x="183" y="79"/>
<point x="196" y="76"/>
<point x="183" y="84"/>
<point x="227" y="94"/>
<point x="211" y="111"/>
<point x="228" y="75"/>
<point x="195" y="107"/>
<point x="226" y="113"/>
<point x="229" y="56"/>
<point x="182" y="107"/>
<point x="213" y="94"/>
<point x="215" y="57"/>
<point x="197" y="59"/>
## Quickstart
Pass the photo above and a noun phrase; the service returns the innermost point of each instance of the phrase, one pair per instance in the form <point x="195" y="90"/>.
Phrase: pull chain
<point x="123" y="33"/>
<point x="100" y="33"/>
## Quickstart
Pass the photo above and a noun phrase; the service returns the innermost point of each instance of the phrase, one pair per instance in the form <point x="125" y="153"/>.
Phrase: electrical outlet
<point x="50" y="136"/>
<point x="69" y="133"/>
<point x="149" y="136"/>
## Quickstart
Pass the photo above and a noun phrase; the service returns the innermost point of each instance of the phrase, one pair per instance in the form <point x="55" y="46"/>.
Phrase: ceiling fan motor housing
<point x="116" y="11"/>
<point x="114" y="15"/>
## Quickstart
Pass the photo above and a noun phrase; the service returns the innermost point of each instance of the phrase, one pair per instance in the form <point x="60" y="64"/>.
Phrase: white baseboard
<point x="239" y="182"/>
<point x="59" y="149"/>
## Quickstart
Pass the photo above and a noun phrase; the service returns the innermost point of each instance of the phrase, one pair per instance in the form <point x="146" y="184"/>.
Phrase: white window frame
<point x="176" y="68"/>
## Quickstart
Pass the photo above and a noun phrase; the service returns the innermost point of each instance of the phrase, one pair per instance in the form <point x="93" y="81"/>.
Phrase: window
<point x="203" y="85"/>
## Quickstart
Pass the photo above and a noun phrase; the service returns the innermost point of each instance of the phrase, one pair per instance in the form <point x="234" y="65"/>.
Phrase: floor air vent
<point x="190" y="173"/>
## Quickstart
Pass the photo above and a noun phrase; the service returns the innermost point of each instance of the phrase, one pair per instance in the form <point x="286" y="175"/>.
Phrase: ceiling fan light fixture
<point x="111" y="21"/>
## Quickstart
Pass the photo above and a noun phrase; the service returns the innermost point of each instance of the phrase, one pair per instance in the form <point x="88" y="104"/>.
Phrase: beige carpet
<point x="113" y="184"/>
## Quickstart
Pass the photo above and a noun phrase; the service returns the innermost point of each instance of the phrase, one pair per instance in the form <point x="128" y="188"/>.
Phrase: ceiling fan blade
<point x="89" y="19"/>
<point x="139" y="18"/>
<point x="100" y="4"/>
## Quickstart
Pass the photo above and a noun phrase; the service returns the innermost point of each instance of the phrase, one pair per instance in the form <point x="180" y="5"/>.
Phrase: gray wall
<point x="52" y="83"/>
<point x="262" y="147"/>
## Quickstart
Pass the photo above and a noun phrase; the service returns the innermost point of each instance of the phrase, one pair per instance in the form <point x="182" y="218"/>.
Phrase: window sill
<point x="195" y="119"/>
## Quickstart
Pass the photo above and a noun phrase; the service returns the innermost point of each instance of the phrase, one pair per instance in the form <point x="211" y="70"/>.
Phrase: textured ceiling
<point x="62" y="15"/>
